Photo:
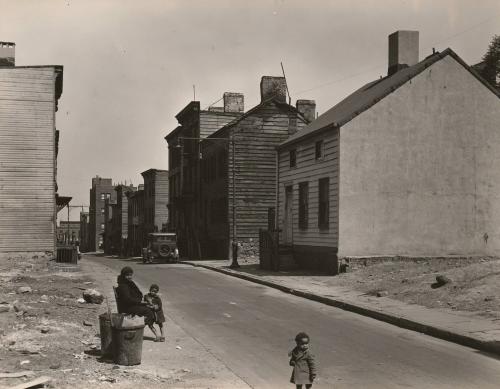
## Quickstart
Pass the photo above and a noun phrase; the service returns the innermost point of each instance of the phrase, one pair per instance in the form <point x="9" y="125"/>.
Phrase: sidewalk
<point x="459" y="327"/>
<point x="180" y="362"/>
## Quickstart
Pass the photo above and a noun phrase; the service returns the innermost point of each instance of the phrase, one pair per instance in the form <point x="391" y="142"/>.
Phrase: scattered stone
<point x="44" y="330"/>
<point x="4" y="308"/>
<point x="55" y="366"/>
<point x="382" y="293"/>
<point x="24" y="289"/>
<point x="92" y="296"/>
<point x="81" y="300"/>
<point x="442" y="280"/>
<point x="405" y="280"/>
<point x="20" y="308"/>
<point x="25" y="362"/>
<point x="178" y="347"/>
<point x="87" y="323"/>
<point x="487" y="298"/>
<point x="44" y="297"/>
<point x="107" y="379"/>
<point x="186" y="371"/>
<point x="116" y="367"/>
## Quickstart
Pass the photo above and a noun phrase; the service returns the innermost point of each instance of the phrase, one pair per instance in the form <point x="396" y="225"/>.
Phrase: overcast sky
<point x="130" y="66"/>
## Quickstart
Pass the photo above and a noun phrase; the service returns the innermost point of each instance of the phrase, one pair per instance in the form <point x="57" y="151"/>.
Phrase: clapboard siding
<point x="211" y="121"/>
<point x="27" y="159"/>
<point x="310" y="170"/>
<point x="161" y="198"/>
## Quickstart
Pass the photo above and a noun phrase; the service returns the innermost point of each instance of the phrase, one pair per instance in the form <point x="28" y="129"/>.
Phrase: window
<point x="103" y="196"/>
<point x="319" y="149"/>
<point x="102" y="226"/>
<point x="293" y="158"/>
<point x="303" y="204"/>
<point x="102" y="211"/>
<point x="323" y="203"/>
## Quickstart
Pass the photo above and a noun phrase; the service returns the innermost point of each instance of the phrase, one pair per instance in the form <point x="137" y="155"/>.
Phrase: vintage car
<point x="162" y="245"/>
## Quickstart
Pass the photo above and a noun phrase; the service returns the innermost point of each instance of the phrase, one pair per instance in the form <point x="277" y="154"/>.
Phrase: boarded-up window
<point x="323" y="203"/>
<point x="293" y="158"/>
<point x="303" y="204"/>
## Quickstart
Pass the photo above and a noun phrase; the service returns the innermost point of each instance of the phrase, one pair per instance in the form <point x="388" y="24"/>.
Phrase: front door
<point x="288" y="227"/>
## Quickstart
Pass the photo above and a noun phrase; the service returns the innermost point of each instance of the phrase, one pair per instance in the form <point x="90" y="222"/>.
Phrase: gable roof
<point x="371" y="93"/>
<point x="282" y="105"/>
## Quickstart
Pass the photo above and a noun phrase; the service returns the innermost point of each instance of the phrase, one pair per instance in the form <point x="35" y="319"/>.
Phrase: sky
<point x="130" y="66"/>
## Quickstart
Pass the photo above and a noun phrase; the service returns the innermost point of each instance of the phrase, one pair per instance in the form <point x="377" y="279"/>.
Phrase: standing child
<point x="153" y="300"/>
<point x="304" y="367"/>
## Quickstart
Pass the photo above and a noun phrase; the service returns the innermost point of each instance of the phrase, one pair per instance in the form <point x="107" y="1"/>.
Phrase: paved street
<point x="251" y="329"/>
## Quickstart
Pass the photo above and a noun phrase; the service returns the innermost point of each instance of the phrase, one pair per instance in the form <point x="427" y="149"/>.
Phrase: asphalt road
<point x="251" y="329"/>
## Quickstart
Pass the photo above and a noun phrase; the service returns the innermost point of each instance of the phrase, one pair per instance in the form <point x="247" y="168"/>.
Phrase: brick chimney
<point x="7" y="54"/>
<point x="403" y="50"/>
<point x="234" y="102"/>
<point x="307" y="108"/>
<point x="273" y="87"/>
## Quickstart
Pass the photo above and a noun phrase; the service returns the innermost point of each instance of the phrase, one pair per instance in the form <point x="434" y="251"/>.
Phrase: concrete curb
<point x="436" y="332"/>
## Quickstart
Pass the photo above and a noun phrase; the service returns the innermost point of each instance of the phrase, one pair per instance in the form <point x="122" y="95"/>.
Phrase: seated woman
<point x="130" y="299"/>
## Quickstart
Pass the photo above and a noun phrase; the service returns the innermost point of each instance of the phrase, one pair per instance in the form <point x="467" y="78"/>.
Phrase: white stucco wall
<point x="420" y="170"/>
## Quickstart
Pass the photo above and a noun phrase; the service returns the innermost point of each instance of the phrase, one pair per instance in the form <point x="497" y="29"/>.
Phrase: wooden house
<point x="136" y="236"/>
<point x="28" y="156"/>
<point x="155" y="200"/>
<point x="238" y="177"/>
<point x="184" y="166"/>
<point x="407" y="165"/>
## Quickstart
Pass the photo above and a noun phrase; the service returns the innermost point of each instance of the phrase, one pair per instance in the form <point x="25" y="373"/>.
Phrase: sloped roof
<point x="370" y="94"/>
<point x="280" y="104"/>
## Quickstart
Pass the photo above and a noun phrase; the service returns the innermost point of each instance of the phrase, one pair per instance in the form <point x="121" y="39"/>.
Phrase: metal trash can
<point x="127" y="337"/>
<point x="105" y="321"/>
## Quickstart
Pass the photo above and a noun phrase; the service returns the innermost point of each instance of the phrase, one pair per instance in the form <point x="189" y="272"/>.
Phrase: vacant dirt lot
<point x="43" y="333"/>
<point x="474" y="286"/>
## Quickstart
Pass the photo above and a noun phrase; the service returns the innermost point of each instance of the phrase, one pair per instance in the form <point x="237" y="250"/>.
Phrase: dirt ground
<point x="43" y="333"/>
<point x="474" y="286"/>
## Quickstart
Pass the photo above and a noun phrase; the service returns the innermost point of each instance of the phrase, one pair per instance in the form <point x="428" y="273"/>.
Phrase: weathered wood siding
<point x="310" y="170"/>
<point x="211" y="121"/>
<point x="27" y="159"/>
<point x="161" y="198"/>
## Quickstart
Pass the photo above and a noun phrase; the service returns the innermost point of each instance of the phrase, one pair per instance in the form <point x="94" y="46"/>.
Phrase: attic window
<point x="293" y="158"/>
<point x="319" y="149"/>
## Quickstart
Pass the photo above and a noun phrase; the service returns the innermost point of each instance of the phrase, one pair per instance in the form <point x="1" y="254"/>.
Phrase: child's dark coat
<point x="158" y="310"/>
<point x="304" y="367"/>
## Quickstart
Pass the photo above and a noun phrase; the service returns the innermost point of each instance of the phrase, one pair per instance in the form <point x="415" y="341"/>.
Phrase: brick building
<point x="102" y="189"/>
<point x="28" y="155"/>
<point x="119" y="223"/>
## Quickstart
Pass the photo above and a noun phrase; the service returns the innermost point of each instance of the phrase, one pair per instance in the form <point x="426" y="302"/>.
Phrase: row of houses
<point x="29" y="145"/>
<point x="121" y="216"/>
<point x="407" y="165"/>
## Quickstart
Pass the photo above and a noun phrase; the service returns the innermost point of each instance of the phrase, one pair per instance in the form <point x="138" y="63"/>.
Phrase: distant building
<point x="155" y="200"/>
<point x="184" y="165"/>
<point x="84" y="231"/>
<point x="28" y="155"/>
<point x="136" y="237"/>
<point x="68" y="232"/>
<point x="407" y="165"/>
<point x="238" y="175"/>
<point x="108" y="234"/>
<point x="119" y="223"/>
<point x="102" y="189"/>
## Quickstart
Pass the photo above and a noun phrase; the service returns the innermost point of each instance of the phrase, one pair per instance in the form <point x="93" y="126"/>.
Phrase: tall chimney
<point x="273" y="87"/>
<point x="7" y="54"/>
<point x="234" y="102"/>
<point x="403" y="50"/>
<point x="307" y="108"/>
